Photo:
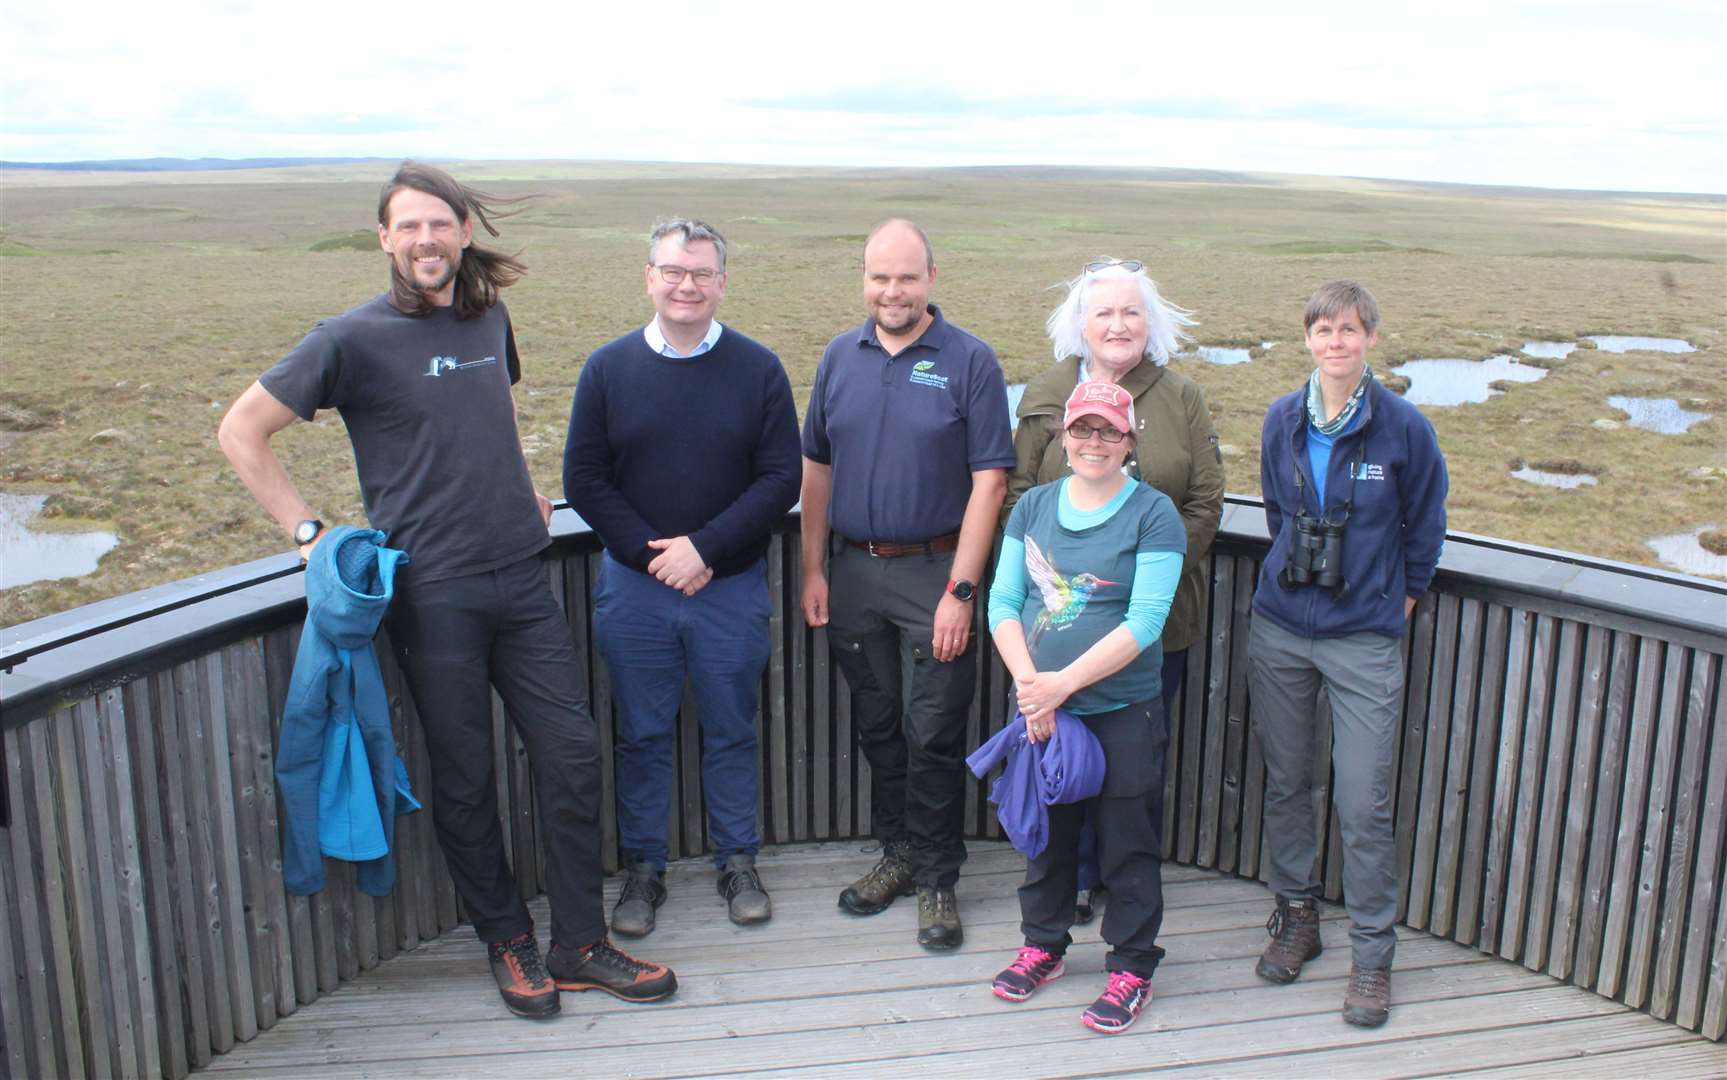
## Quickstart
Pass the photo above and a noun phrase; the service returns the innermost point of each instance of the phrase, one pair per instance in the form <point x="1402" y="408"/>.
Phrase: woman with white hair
<point x="1114" y="327"/>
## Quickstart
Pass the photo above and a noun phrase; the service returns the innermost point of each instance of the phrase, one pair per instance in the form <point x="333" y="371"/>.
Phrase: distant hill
<point x="165" y="164"/>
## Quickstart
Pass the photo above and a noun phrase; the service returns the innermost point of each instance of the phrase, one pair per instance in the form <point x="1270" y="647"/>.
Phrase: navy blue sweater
<point x="1397" y="526"/>
<point x="705" y="447"/>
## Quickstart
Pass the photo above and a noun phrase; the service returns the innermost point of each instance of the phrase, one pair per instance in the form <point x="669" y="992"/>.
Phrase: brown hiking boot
<point x="938" y="918"/>
<point x="1294" y="930"/>
<point x="1367" y="1001"/>
<point x="887" y="880"/>
<point x="522" y="979"/>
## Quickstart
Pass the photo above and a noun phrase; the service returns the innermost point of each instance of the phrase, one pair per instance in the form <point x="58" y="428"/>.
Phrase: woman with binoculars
<point x="1354" y="487"/>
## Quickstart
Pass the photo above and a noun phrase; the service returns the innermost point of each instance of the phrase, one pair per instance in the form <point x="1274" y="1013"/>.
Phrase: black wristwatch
<point x="961" y="589"/>
<point x="307" y="531"/>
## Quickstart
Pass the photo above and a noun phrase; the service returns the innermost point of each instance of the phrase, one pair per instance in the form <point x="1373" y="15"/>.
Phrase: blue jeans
<point x="652" y="637"/>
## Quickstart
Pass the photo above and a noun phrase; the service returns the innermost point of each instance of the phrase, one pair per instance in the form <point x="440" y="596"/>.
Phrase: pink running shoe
<point x="1030" y="969"/>
<point x="1119" y="1005"/>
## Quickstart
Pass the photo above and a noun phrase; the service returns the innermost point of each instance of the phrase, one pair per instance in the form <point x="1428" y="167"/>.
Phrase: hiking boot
<point x="938" y="918"/>
<point x="1294" y="930"/>
<point x="522" y="978"/>
<point x="644" y="891"/>
<point x="746" y="900"/>
<point x="1030" y="969"/>
<point x="1086" y="904"/>
<point x="603" y="966"/>
<point x="887" y="880"/>
<point x="1367" y="1000"/>
<point x="1119" y="1005"/>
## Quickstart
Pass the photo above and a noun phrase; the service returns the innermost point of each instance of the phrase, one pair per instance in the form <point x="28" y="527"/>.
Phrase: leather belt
<point x="887" y="549"/>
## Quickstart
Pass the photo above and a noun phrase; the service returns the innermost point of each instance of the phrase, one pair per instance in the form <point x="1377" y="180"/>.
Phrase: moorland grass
<point x="161" y="298"/>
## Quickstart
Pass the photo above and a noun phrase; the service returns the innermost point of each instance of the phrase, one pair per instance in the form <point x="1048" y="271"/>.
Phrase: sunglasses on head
<point x="1132" y="266"/>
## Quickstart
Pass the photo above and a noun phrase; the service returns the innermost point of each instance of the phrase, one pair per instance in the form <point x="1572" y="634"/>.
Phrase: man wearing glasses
<point x="683" y="456"/>
<point x="906" y="446"/>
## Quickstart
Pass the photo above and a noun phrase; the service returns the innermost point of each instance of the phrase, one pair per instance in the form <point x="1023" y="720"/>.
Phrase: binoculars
<point x="1315" y="554"/>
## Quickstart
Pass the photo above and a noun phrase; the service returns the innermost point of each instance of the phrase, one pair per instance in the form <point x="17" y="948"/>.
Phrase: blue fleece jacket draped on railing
<point x="342" y="784"/>
<point x="1068" y="767"/>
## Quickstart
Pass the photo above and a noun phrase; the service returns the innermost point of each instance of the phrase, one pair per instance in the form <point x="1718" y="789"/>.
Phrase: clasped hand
<point x="1039" y="697"/>
<point x="679" y="565"/>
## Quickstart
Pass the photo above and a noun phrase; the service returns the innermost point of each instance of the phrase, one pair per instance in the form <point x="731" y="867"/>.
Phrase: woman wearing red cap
<point x="1089" y="565"/>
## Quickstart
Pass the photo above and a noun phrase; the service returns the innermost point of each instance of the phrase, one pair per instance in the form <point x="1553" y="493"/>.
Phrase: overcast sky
<point x="1575" y="94"/>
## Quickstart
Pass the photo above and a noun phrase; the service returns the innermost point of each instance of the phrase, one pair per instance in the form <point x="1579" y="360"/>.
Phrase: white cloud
<point x="1573" y="94"/>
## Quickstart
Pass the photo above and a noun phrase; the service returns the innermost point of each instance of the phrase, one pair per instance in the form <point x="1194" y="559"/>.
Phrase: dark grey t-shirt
<point x="426" y="399"/>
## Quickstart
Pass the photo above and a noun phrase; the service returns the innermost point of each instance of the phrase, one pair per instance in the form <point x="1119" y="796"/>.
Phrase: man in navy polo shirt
<point x="906" y="450"/>
<point x="683" y="456"/>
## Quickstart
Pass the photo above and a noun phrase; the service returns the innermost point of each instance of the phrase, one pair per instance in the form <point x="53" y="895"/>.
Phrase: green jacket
<point x="1177" y="454"/>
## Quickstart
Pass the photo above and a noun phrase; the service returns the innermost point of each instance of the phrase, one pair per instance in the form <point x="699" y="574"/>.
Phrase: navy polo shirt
<point x="904" y="433"/>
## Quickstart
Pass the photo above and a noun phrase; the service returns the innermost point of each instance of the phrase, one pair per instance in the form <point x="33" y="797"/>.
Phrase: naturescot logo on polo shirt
<point x="923" y="374"/>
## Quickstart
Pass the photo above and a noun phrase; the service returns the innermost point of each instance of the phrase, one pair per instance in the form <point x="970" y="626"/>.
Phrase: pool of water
<point x="27" y="555"/>
<point x="1661" y="415"/>
<point x="1218" y="354"/>
<point x="1563" y="481"/>
<point x="1618" y="343"/>
<point x="1686" y="553"/>
<point x="1548" y="350"/>
<point x="1462" y="382"/>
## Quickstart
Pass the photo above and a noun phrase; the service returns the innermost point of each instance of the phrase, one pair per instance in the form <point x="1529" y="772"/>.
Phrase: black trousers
<point x="455" y="640"/>
<point x="1129" y="820"/>
<point x="910" y="720"/>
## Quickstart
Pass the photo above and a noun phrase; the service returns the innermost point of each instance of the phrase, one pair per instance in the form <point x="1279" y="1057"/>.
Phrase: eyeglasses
<point x="1083" y="431"/>
<point x="1132" y="266"/>
<point x="674" y="275"/>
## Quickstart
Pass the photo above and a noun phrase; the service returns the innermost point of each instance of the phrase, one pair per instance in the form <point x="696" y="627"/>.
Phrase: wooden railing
<point x="1561" y="791"/>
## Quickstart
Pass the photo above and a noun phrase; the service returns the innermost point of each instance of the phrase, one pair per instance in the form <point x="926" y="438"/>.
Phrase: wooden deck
<point x="816" y="992"/>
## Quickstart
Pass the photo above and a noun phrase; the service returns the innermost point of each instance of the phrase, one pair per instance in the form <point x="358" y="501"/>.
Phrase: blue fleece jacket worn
<point x="1396" y="526"/>
<point x="342" y="784"/>
<point x="1069" y="767"/>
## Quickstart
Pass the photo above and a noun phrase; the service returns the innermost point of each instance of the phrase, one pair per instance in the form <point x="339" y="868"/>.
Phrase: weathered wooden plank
<point x="1598" y="873"/>
<point x="344" y="917"/>
<point x="288" y="916"/>
<point x="1208" y="707"/>
<point x="117" y="771"/>
<point x="248" y="723"/>
<point x="1657" y="828"/>
<point x="1233" y="714"/>
<point x="776" y="699"/>
<point x="1711" y="869"/>
<point x="1494" y="884"/>
<point x="1682" y="865"/>
<point x="232" y="898"/>
<point x="1189" y="735"/>
<point x="1528" y="783"/>
<point x="113" y="1003"/>
<point x="140" y="700"/>
<point x="1556" y="775"/>
<point x="205" y="891"/>
<point x="1426" y="823"/>
<point x="1451" y="825"/>
<point x="72" y="828"/>
<point x="15" y="1003"/>
<point x="1580" y="804"/>
<point x="1714" y="1024"/>
<point x="28" y="1005"/>
<point x="687" y="806"/>
<point x="176" y="701"/>
<point x="1472" y="862"/>
<point x="1418" y="664"/>
<point x="1633" y="807"/>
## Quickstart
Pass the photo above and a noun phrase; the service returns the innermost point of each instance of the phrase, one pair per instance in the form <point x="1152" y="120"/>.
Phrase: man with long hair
<point x="422" y="377"/>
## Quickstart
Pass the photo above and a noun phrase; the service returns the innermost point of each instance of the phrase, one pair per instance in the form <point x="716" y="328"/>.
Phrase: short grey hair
<point x="1164" y="320"/>
<point x="687" y="230"/>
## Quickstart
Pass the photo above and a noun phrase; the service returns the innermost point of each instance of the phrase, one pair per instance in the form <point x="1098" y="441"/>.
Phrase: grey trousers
<point x="1363" y="678"/>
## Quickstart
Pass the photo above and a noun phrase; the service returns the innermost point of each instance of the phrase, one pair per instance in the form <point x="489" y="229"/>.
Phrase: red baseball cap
<point x="1106" y="401"/>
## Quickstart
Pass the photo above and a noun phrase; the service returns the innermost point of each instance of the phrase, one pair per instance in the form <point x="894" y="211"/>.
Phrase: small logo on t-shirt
<point x="923" y="374"/>
<point x="441" y="364"/>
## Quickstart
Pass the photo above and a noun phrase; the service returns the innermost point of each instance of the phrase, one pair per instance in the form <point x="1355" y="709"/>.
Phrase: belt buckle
<point x="869" y="546"/>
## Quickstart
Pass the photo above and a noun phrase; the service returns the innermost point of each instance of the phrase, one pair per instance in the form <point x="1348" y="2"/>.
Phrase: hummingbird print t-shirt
<point x="1079" y="579"/>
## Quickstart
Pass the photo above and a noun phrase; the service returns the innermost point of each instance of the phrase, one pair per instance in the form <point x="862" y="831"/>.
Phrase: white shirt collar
<point x="657" y="339"/>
